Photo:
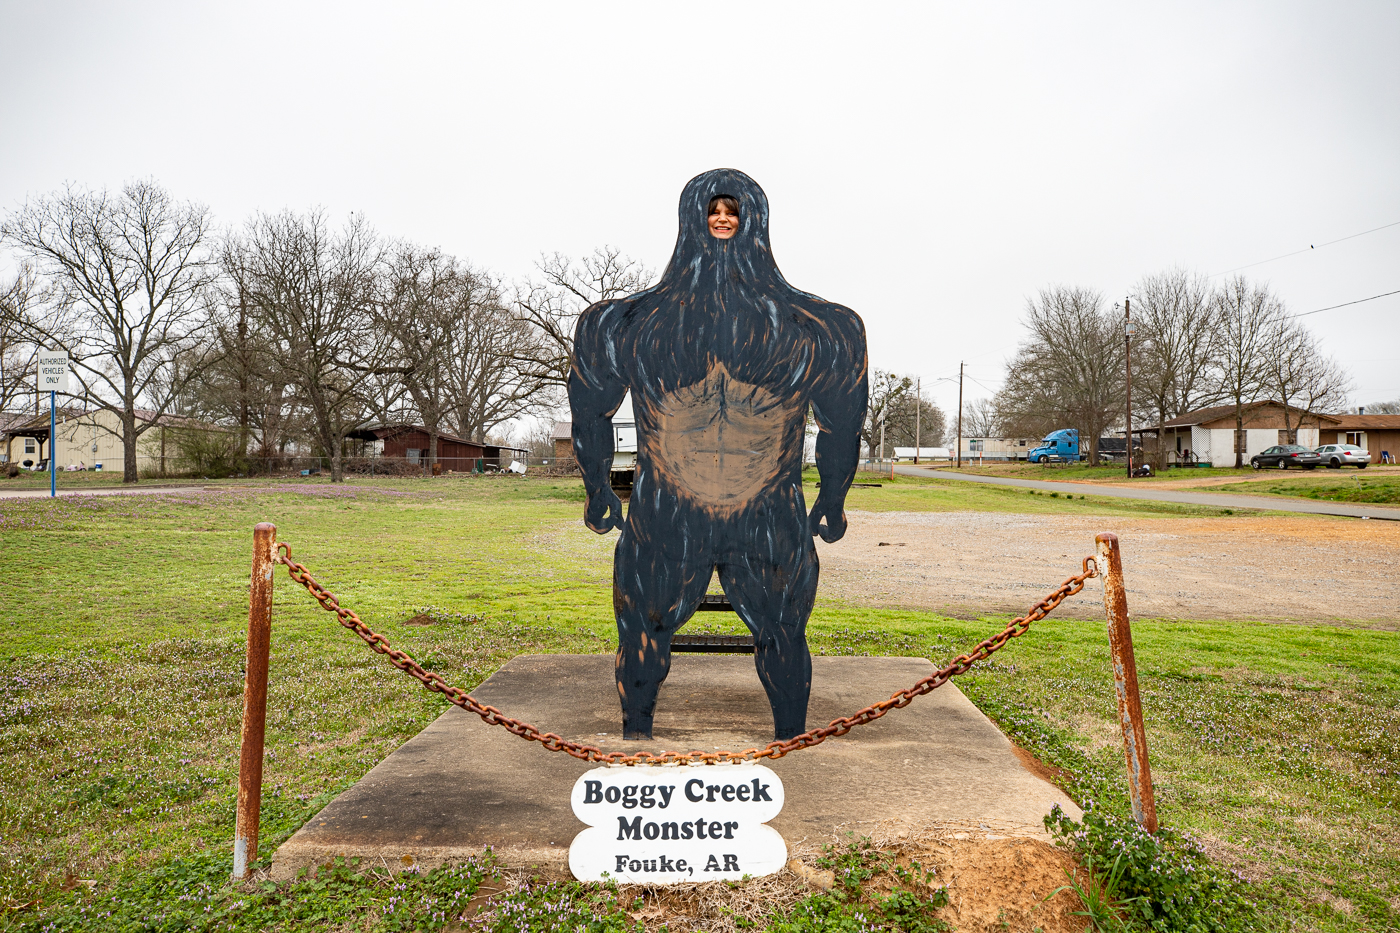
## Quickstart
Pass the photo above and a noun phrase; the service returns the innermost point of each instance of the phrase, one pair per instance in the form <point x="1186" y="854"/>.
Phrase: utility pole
<point x="1128" y="329"/>
<point x="960" y="375"/>
<point x="918" y="405"/>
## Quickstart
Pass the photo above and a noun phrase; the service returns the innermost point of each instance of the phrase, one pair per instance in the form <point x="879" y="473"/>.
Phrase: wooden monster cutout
<point x="723" y="358"/>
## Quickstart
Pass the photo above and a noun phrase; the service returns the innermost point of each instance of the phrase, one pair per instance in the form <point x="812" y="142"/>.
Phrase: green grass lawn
<point x="121" y="676"/>
<point x="1329" y="485"/>
<point x="1082" y="472"/>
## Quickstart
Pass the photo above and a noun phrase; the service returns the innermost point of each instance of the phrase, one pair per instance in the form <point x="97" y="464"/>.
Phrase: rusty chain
<point x="777" y="749"/>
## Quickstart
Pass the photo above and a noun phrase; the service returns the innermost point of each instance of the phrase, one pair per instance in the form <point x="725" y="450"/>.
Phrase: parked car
<point x="1337" y="456"/>
<point x="1286" y="455"/>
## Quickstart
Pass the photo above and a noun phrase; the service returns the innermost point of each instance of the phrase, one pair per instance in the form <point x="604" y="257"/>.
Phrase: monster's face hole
<point x="723" y="216"/>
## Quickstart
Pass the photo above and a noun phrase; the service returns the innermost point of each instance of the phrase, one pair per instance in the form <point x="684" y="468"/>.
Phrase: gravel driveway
<point x="1273" y="568"/>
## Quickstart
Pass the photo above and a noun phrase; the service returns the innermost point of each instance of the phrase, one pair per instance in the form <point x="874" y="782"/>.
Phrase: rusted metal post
<point x="1125" y="681"/>
<point x="250" y="765"/>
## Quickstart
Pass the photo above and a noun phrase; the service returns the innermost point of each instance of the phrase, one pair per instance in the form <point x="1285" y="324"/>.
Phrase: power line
<point x="1347" y="304"/>
<point x="1310" y="248"/>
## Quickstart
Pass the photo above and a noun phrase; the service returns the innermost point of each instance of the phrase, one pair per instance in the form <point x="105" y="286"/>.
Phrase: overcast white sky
<point x="929" y="165"/>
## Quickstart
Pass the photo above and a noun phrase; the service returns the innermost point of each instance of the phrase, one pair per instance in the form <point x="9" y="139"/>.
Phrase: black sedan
<point x="1284" y="456"/>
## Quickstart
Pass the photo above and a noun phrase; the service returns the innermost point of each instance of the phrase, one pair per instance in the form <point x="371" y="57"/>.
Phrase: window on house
<point x="1356" y="437"/>
<point x="413" y="454"/>
<point x="1023" y="443"/>
<point x="29" y="445"/>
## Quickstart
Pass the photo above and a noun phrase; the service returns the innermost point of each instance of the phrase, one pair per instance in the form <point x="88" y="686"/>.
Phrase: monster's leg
<point x="652" y="597"/>
<point x="774" y="598"/>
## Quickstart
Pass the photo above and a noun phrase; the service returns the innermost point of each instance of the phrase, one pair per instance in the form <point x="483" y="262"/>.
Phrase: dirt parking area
<point x="1313" y="569"/>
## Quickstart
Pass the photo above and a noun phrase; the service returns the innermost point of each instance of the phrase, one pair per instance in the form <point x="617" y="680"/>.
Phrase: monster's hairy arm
<point x="839" y="410"/>
<point x="595" y="394"/>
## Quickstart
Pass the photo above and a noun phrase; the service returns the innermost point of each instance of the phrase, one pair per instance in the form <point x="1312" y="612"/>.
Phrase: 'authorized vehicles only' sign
<point x="677" y="823"/>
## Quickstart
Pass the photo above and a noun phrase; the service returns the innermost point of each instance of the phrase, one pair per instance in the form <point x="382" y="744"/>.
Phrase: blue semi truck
<point x="1062" y="445"/>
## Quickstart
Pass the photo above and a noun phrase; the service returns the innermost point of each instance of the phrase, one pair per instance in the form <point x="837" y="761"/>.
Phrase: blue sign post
<point x="53" y="375"/>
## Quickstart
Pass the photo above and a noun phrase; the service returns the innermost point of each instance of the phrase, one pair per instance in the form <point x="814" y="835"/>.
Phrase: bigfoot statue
<point x="722" y="357"/>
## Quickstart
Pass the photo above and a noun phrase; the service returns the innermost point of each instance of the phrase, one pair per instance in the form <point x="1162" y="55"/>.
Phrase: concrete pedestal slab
<point x="461" y="785"/>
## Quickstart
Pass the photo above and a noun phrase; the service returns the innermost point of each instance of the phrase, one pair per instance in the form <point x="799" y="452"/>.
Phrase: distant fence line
<point x="402" y="466"/>
<point x="305" y="465"/>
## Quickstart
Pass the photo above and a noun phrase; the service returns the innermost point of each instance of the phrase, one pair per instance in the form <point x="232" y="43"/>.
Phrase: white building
<point x="922" y="453"/>
<point x="997" y="448"/>
<point x="1209" y="435"/>
<point x="91" y="440"/>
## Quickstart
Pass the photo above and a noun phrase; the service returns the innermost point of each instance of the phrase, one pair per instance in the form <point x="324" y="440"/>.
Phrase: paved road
<point x="1220" y="500"/>
<point x="91" y="491"/>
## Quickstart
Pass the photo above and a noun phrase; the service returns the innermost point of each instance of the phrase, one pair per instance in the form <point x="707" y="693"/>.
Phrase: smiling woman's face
<point x="724" y="220"/>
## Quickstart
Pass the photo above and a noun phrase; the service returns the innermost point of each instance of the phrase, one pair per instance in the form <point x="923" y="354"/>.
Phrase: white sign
<point x="662" y="825"/>
<point x="53" y="370"/>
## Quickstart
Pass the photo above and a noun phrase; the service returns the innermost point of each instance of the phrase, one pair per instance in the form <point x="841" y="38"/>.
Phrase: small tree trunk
<point x="337" y="462"/>
<point x="129" y="472"/>
<point x="1240" y="440"/>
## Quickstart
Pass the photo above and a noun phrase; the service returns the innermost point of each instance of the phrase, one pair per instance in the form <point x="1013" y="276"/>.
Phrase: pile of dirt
<point x="994" y="882"/>
<point x="1002" y="883"/>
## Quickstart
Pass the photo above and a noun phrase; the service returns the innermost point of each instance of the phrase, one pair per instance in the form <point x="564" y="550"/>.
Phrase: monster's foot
<point x="636" y="728"/>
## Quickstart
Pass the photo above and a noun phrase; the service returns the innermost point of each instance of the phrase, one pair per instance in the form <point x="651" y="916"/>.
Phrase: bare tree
<point x="127" y="281"/>
<point x="1069" y="372"/>
<point x="538" y="439"/>
<point x="456" y="339"/>
<point x="315" y="293"/>
<point x="895" y="401"/>
<point x="420" y="315"/>
<point x="980" y="419"/>
<point x="489" y="386"/>
<point x="902" y="426"/>
<point x="243" y="385"/>
<point x="1300" y="376"/>
<point x="1326" y="387"/>
<point x="1383" y="408"/>
<point x="1247" y="320"/>
<point x="887" y="392"/>
<point x="18" y="351"/>
<point x="1174" y="351"/>
<point x="552" y="302"/>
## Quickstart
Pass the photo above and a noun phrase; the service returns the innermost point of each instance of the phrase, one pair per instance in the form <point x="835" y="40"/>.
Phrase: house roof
<point x="1363" y="422"/>
<point x="13" y="419"/>
<point x="563" y="430"/>
<point x="27" y="424"/>
<point x="382" y="431"/>
<point x="1217" y="412"/>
